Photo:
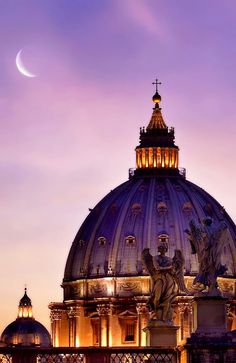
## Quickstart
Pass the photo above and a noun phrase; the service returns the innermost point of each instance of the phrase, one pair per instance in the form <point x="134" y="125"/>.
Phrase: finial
<point x="25" y="288"/>
<point x="156" y="97"/>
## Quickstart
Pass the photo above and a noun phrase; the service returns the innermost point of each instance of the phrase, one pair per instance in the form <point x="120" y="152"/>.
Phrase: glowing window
<point x="81" y="242"/>
<point x="130" y="240"/>
<point x="163" y="237"/>
<point x="102" y="241"/>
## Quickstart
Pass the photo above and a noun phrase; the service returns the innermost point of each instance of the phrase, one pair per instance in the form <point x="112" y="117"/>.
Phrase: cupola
<point x="25" y="307"/>
<point x="157" y="152"/>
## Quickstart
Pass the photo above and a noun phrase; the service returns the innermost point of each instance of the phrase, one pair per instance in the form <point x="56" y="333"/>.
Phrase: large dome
<point x="106" y="286"/>
<point x="138" y="214"/>
<point x="155" y="204"/>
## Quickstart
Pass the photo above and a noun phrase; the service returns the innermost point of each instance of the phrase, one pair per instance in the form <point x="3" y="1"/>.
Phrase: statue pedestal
<point x="209" y="315"/>
<point x="210" y="341"/>
<point x="160" y="334"/>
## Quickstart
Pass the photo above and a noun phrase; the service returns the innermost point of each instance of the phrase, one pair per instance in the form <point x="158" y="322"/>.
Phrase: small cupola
<point x="25" y="307"/>
<point x="157" y="152"/>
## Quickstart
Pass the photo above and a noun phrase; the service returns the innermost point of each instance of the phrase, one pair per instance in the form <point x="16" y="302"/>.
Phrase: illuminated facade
<point x="25" y="331"/>
<point x="105" y="284"/>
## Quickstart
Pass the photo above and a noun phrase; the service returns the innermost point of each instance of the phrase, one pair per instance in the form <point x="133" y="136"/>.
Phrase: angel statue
<point x="207" y="240"/>
<point x="166" y="275"/>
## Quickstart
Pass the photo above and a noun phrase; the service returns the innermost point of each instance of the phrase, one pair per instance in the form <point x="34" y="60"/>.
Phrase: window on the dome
<point x="136" y="208"/>
<point x="187" y="206"/>
<point x="81" y="242"/>
<point x="102" y="241"/>
<point x="130" y="240"/>
<point x="163" y="238"/>
<point x="162" y="207"/>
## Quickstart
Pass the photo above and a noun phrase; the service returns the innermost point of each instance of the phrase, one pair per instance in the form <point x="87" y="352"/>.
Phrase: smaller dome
<point x="25" y="331"/>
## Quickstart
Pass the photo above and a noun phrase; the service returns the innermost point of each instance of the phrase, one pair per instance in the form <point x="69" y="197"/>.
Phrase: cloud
<point x="146" y="17"/>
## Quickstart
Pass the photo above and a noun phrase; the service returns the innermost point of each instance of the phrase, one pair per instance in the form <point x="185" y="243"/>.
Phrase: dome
<point x="106" y="285"/>
<point x="25" y="332"/>
<point x="137" y="215"/>
<point x="155" y="204"/>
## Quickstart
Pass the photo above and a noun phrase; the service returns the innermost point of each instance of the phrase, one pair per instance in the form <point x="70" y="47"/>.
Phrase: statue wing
<point x="178" y="267"/>
<point x="147" y="261"/>
<point x="195" y="236"/>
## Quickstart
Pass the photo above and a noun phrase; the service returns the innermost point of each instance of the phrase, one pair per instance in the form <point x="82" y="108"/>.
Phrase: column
<point x="73" y="313"/>
<point x="181" y="310"/>
<point x="55" y="317"/>
<point x="104" y="311"/>
<point x="143" y="314"/>
<point x="190" y="317"/>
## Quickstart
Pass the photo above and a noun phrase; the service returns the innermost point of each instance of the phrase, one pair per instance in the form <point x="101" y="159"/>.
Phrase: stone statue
<point x="207" y="241"/>
<point x="166" y="274"/>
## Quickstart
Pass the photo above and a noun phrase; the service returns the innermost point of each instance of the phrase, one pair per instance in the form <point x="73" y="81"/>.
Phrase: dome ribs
<point x="117" y="239"/>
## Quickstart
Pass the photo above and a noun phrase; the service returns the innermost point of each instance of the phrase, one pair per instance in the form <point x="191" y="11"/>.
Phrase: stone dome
<point x="25" y="331"/>
<point x="136" y="215"/>
<point x="155" y="204"/>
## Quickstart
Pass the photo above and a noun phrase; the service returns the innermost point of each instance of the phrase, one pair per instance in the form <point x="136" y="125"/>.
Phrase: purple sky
<point x="68" y="136"/>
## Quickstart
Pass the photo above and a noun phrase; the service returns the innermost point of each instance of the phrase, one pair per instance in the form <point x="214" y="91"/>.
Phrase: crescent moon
<point x="21" y="68"/>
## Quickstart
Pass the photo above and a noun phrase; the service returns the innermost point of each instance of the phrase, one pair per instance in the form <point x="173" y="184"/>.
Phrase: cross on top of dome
<point x="156" y="97"/>
<point x="156" y="83"/>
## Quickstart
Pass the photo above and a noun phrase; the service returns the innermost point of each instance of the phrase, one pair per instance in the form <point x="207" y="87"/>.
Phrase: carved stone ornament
<point x="77" y="290"/>
<point x="97" y="289"/>
<point x="129" y="286"/>
<point x="185" y="306"/>
<point x="142" y="308"/>
<point x="55" y="315"/>
<point x="227" y="287"/>
<point x="73" y="312"/>
<point x="104" y="309"/>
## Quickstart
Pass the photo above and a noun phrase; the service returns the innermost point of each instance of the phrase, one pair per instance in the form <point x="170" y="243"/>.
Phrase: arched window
<point x="102" y="241"/>
<point x="187" y="207"/>
<point x="136" y="208"/>
<point x="163" y="238"/>
<point x="130" y="240"/>
<point x="162" y="207"/>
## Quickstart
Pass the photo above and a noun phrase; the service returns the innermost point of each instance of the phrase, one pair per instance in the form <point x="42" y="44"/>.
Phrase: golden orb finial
<point x="156" y="97"/>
